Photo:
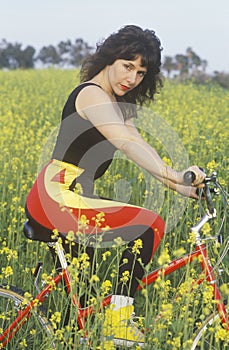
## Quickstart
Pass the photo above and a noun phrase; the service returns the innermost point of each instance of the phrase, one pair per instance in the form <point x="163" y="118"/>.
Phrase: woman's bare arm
<point x="96" y="105"/>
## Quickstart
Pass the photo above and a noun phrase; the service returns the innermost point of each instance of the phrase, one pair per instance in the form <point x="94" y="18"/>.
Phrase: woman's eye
<point x="142" y="74"/>
<point x="127" y="66"/>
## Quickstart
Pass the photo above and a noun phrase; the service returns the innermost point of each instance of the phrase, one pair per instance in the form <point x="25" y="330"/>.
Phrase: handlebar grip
<point x="189" y="177"/>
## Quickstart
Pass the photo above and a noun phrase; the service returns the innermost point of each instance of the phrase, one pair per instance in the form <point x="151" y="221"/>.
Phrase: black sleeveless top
<point x="80" y="143"/>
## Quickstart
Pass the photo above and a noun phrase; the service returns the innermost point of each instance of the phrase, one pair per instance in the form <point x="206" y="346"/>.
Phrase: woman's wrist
<point x="173" y="175"/>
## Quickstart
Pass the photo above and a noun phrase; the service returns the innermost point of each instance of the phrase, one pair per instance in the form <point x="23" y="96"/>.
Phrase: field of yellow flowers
<point x="187" y="124"/>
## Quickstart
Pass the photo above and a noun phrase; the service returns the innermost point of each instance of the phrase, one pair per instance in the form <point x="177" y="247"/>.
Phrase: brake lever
<point x="189" y="177"/>
<point x="209" y="200"/>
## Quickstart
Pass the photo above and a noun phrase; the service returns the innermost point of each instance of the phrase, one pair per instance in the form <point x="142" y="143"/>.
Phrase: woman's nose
<point x="131" y="78"/>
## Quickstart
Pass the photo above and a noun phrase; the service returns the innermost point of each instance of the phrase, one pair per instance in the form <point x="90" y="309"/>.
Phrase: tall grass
<point x="196" y="117"/>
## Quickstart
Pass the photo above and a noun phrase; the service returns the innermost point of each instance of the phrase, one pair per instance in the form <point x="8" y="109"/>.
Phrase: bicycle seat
<point x="31" y="231"/>
<point x="28" y="230"/>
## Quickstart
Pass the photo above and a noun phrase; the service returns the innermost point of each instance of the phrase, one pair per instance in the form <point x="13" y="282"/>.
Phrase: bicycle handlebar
<point x="190" y="176"/>
<point x="211" y="185"/>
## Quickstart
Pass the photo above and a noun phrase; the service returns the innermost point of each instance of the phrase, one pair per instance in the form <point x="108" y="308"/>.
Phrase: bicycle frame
<point x="200" y="251"/>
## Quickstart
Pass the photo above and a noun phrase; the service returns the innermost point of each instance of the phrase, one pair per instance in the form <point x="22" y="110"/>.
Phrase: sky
<point x="202" y="25"/>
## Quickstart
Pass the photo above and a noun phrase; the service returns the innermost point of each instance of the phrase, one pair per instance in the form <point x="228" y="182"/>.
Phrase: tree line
<point x="66" y="53"/>
<point x="185" y="64"/>
<point x="71" y="53"/>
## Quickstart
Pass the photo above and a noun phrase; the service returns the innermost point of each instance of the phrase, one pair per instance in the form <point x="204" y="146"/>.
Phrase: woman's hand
<point x="199" y="177"/>
<point x="188" y="191"/>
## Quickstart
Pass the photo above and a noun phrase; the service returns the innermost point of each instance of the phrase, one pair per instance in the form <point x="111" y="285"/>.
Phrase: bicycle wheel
<point x="35" y="333"/>
<point x="206" y="337"/>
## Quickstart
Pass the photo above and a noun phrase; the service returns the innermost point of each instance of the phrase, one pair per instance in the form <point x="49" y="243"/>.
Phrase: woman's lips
<point x="124" y="87"/>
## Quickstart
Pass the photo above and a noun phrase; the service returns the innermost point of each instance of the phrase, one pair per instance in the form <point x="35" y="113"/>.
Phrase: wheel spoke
<point x="35" y="331"/>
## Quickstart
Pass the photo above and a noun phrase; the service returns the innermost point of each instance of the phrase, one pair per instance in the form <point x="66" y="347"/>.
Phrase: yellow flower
<point x="179" y="252"/>
<point x="225" y="289"/>
<point x="33" y="332"/>
<point x="100" y="216"/>
<point x="99" y="220"/>
<point x="167" y="311"/>
<point x="70" y="236"/>
<point x="83" y="222"/>
<point x="55" y="319"/>
<point x="167" y="161"/>
<point x="106" y="228"/>
<point x="125" y="276"/>
<point x="59" y="334"/>
<point x="106" y="287"/>
<point x="106" y="255"/>
<point x="137" y="245"/>
<point x="23" y="344"/>
<point x="118" y="242"/>
<point x="7" y="271"/>
<point x="107" y="345"/>
<point x="78" y="189"/>
<point x="140" y="177"/>
<point x="164" y="257"/>
<point x="84" y="261"/>
<point x="94" y="278"/>
<point x="222" y="334"/>
<point x="212" y="165"/>
<point x="55" y="234"/>
<point x="206" y="229"/>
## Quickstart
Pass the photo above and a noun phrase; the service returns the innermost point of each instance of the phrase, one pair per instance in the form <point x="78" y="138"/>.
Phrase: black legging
<point x="132" y="265"/>
<point x="128" y="262"/>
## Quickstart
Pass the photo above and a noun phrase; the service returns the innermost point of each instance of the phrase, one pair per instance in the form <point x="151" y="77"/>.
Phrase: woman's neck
<point x="102" y="80"/>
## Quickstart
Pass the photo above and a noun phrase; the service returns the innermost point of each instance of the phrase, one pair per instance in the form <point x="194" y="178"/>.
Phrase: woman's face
<point x="125" y="75"/>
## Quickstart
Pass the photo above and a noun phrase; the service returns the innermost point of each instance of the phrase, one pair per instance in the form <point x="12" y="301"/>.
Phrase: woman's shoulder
<point x="81" y="86"/>
<point x="91" y="92"/>
<point x="87" y="84"/>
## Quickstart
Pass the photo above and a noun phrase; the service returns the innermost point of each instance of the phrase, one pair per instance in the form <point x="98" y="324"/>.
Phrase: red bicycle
<point x="22" y="318"/>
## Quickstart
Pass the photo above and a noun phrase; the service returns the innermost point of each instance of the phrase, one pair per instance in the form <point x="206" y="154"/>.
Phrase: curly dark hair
<point x="128" y="43"/>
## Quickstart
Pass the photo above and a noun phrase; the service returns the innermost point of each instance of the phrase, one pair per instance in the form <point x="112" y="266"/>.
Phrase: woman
<point x="96" y="121"/>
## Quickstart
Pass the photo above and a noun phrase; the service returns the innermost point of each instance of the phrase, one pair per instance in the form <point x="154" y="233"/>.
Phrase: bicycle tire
<point x="35" y="332"/>
<point x="205" y="338"/>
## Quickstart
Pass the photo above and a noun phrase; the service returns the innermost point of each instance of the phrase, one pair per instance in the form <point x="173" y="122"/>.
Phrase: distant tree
<point x="66" y="53"/>
<point x="26" y="59"/>
<point x="181" y="64"/>
<point x="222" y="79"/>
<point x="12" y="56"/>
<point x="78" y="51"/>
<point x="49" y="55"/>
<point x="204" y="64"/>
<point x="189" y="53"/>
<point x="3" y="56"/>
<point x="169" y="65"/>
<point x="64" y="48"/>
<point x="194" y="62"/>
